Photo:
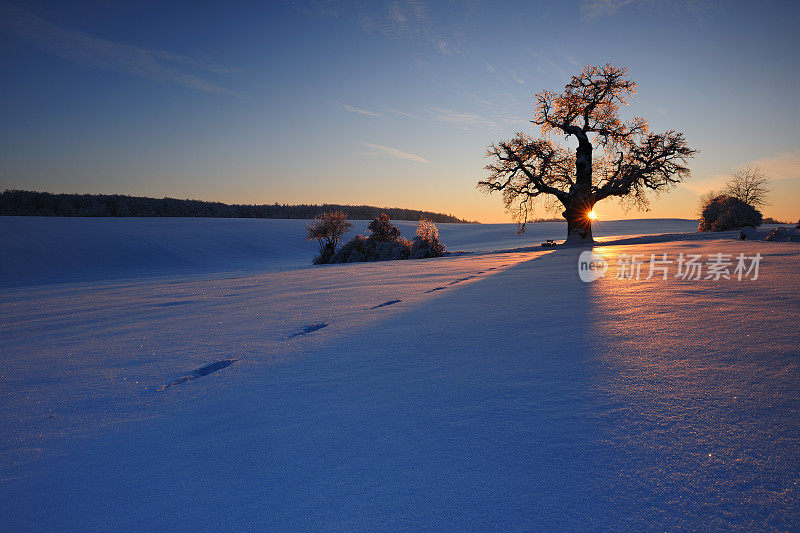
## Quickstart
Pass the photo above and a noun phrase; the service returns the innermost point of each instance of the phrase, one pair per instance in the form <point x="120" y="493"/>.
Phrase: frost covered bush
<point x="327" y="229"/>
<point x="725" y="213"/>
<point x="361" y="249"/>
<point x="784" y="235"/>
<point x="426" y="241"/>
<point x="384" y="244"/>
<point x="382" y="229"/>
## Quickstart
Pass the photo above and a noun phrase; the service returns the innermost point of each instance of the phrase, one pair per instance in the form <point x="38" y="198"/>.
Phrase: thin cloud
<point x="102" y="54"/>
<point x="547" y="61"/>
<point x="443" y="47"/>
<point x="515" y="77"/>
<point x="408" y="20"/>
<point x="601" y="8"/>
<point x="401" y="113"/>
<point x="591" y="9"/>
<point x="204" y="63"/>
<point x="359" y="111"/>
<point x="568" y="58"/>
<point x="420" y="63"/>
<point x="505" y="99"/>
<point x="781" y="166"/>
<point x="460" y="120"/>
<point x="468" y="121"/>
<point x="702" y="186"/>
<point x="388" y="151"/>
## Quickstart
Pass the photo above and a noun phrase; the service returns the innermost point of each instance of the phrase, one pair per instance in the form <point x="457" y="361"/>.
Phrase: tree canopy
<point x="630" y="161"/>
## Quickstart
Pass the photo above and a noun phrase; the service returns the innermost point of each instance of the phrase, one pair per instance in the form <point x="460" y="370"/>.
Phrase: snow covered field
<point x="489" y="390"/>
<point x="45" y="250"/>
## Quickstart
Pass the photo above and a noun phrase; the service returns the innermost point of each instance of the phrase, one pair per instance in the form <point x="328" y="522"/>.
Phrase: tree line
<point x="30" y="203"/>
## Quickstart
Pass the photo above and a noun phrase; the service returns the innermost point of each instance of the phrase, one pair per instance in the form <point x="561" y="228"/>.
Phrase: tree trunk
<point x="581" y="200"/>
<point x="579" y="225"/>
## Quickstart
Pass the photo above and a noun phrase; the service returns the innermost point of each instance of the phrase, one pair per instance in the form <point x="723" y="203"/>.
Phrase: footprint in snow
<point x="384" y="304"/>
<point x="435" y="289"/>
<point x="201" y="372"/>
<point x="311" y="328"/>
<point x="173" y="304"/>
<point x="461" y="279"/>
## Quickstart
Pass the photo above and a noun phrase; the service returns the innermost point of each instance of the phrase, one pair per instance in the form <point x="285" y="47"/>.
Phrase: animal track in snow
<point x="173" y="304"/>
<point x="384" y="304"/>
<point x="201" y="372"/>
<point x="311" y="328"/>
<point x="435" y="289"/>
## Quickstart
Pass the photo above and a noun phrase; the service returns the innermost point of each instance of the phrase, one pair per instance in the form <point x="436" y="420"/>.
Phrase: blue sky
<point x="376" y="102"/>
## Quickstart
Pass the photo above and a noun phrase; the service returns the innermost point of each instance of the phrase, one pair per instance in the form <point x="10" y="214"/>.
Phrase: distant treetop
<point x="30" y="203"/>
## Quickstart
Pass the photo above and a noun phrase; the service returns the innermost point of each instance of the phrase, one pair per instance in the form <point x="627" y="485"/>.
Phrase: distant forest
<point x="30" y="203"/>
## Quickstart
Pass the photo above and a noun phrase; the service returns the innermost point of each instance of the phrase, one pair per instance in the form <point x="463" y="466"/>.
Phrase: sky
<point x="384" y="103"/>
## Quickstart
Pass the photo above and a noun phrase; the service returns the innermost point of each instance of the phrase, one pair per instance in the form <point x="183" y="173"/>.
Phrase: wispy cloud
<point x="419" y="63"/>
<point x="505" y="99"/>
<point x="103" y="54"/>
<point x="702" y="186"/>
<point x="358" y="110"/>
<point x="601" y="8"/>
<point x="547" y="61"/>
<point x="571" y="60"/>
<point x="408" y="20"/>
<point x="401" y="113"/>
<point x="388" y="151"/>
<point x="460" y="120"/>
<point x="781" y="166"/>
<point x="515" y="77"/>
<point x="468" y="121"/>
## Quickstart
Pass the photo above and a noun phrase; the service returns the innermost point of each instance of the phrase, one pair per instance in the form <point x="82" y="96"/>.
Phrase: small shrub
<point x="382" y="229"/>
<point x="364" y="249"/>
<point x="384" y="244"/>
<point x="327" y="229"/>
<point x="426" y="241"/>
<point x="783" y="235"/>
<point x="353" y="251"/>
<point x="726" y="213"/>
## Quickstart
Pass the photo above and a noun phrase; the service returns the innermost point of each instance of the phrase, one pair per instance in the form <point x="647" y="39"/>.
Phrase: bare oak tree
<point x="749" y="184"/>
<point x="631" y="160"/>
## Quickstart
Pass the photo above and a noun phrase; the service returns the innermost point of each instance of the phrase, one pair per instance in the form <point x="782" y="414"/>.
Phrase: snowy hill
<point x="486" y="391"/>
<point x="46" y="250"/>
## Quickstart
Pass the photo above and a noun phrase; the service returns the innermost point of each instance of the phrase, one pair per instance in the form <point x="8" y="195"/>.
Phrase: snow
<point x="493" y="390"/>
<point x="50" y="250"/>
<point x="772" y="232"/>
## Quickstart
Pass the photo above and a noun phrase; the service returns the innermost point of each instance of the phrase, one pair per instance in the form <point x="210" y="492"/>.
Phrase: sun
<point x="592" y="215"/>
